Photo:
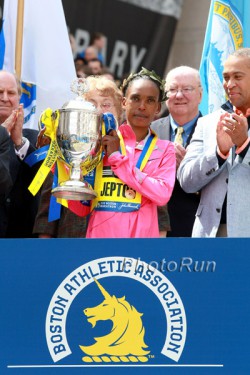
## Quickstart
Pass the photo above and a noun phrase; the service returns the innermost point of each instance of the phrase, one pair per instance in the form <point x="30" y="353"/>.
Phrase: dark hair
<point x="94" y="36"/>
<point x="78" y="57"/>
<point x="96" y="59"/>
<point x="145" y="74"/>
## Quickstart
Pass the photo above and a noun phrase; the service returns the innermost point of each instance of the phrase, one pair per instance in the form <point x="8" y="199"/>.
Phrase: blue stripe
<point x="54" y="206"/>
<point x="36" y="156"/>
<point x="119" y="206"/>
<point x="109" y="122"/>
<point x="144" y="151"/>
<point x="2" y="47"/>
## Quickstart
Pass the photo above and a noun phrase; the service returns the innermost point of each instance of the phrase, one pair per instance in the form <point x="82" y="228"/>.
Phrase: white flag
<point x="47" y="60"/>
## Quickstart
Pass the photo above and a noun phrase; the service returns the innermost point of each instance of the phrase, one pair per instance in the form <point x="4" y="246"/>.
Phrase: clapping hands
<point x="14" y="125"/>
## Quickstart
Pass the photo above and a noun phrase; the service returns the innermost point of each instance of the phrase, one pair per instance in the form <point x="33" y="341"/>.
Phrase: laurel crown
<point x="148" y="73"/>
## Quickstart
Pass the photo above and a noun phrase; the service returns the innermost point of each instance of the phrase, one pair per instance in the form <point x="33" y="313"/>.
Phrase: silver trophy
<point x="79" y="137"/>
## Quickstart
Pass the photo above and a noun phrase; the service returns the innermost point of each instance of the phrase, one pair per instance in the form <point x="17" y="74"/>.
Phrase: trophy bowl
<point x="79" y="138"/>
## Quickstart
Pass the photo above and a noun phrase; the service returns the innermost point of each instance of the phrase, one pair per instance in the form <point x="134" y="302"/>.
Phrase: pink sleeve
<point x="155" y="182"/>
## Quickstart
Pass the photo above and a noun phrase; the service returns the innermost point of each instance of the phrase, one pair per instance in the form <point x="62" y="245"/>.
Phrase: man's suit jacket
<point x="200" y="169"/>
<point x="5" y="177"/>
<point x="182" y="206"/>
<point x="21" y="205"/>
<point x="68" y="226"/>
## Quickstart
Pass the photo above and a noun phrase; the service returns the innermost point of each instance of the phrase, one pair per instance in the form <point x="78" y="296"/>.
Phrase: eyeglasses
<point x="106" y="106"/>
<point x="185" y="91"/>
<point x="103" y="107"/>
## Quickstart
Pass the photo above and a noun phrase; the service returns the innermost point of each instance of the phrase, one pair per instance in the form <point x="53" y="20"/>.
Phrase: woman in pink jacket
<point x="137" y="173"/>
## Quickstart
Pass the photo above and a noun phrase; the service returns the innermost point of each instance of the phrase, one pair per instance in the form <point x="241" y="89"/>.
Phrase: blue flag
<point x="228" y="29"/>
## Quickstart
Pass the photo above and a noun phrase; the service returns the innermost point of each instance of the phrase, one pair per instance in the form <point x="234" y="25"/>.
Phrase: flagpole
<point x="19" y="38"/>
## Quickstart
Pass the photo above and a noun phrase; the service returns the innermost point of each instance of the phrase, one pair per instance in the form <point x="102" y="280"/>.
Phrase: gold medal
<point x="130" y="193"/>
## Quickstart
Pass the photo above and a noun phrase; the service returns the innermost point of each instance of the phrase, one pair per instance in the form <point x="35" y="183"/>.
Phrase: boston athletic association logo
<point x="111" y="291"/>
<point x="126" y="339"/>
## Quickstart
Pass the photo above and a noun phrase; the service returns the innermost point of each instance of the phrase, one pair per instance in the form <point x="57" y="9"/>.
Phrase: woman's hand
<point x="111" y="143"/>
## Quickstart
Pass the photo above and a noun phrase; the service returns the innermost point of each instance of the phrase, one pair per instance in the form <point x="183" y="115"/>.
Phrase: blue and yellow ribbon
<point x="50" y="120"/>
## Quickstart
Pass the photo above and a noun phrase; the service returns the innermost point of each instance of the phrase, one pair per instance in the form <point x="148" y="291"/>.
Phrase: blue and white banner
<point x="228" y="29"/>
<point x="102" y="306"/>
<point x="47" y="61"/>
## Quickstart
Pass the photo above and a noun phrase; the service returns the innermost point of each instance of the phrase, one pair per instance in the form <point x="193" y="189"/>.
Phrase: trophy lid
<point x="79" y="86"/>
<point x="79" y="104"/>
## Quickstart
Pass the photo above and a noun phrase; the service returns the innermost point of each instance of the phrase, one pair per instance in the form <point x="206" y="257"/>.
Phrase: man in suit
<point x="20" y="205"/>
<point x="218" y="158"/>
<point x="184" y="94"/>
<point x="5" y="178"/>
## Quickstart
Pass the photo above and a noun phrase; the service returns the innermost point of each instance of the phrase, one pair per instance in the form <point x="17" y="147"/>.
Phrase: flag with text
<point x="228" y="29"/>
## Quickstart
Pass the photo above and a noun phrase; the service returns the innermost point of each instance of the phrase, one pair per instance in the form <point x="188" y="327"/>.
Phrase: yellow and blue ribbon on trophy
<point x="50" y="120"/>
<point x="53" y="160"/>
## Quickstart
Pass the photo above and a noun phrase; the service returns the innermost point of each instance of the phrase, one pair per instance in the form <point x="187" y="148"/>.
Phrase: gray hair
<point x="183" y="69"/>
<point x="242" y="52"/>
<point x="18" y="82"/>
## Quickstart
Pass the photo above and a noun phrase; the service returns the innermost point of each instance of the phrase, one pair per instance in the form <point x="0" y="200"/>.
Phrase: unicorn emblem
<point x="127" y="335"/>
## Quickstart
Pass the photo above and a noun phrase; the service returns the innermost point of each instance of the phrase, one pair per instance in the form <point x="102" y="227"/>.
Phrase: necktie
<point x="178" y="137"/>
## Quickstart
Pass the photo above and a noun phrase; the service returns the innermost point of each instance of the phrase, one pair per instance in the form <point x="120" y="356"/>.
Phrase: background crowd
<point x="189" y="173"/>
